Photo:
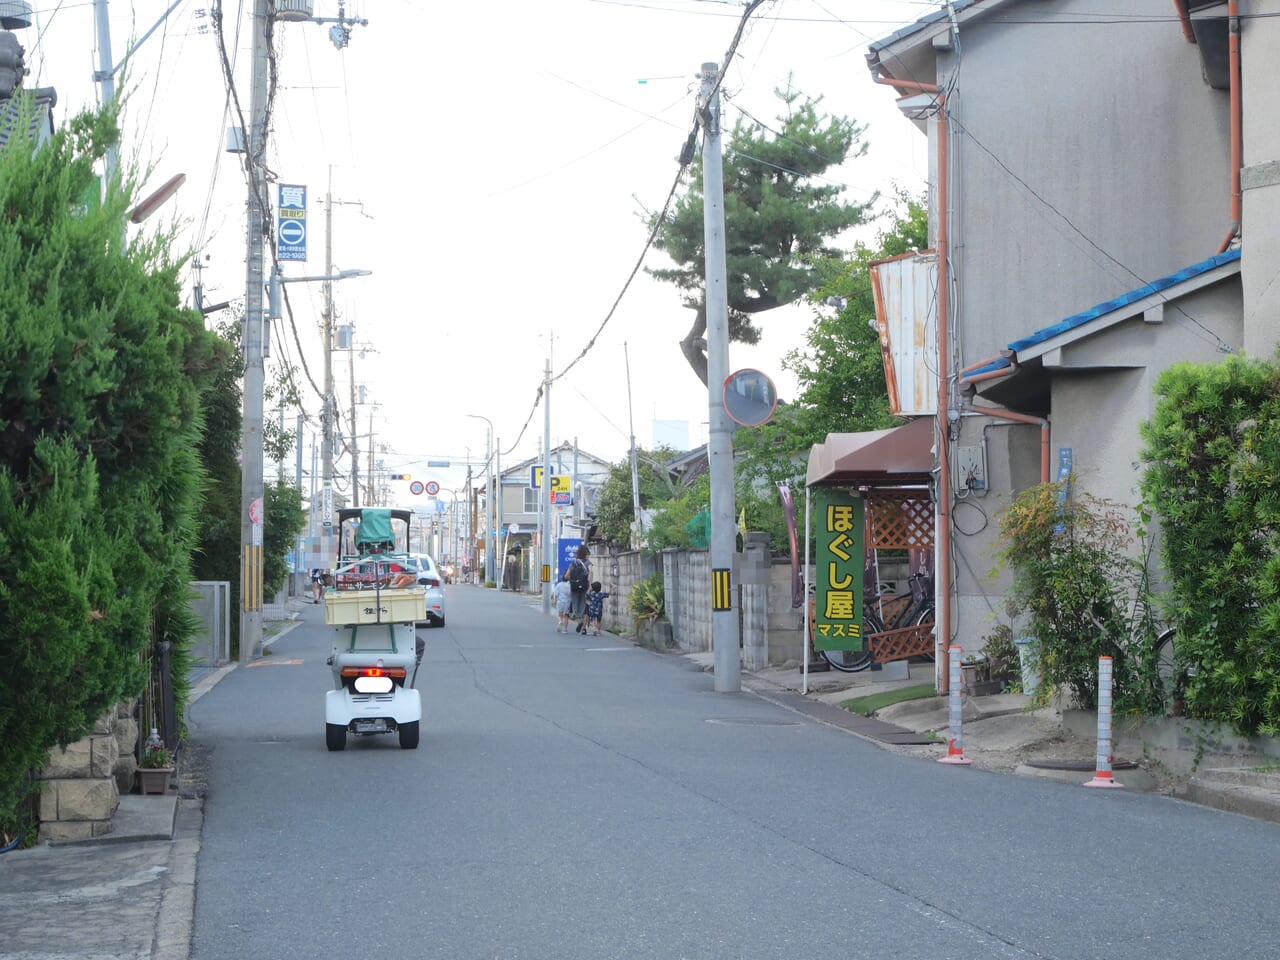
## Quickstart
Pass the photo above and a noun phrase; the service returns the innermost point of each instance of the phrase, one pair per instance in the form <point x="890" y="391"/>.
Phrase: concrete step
<point x="1251" y="791"/>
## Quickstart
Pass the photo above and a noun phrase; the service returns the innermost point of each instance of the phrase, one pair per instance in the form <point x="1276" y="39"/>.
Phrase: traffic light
<point x="399" y="476"/>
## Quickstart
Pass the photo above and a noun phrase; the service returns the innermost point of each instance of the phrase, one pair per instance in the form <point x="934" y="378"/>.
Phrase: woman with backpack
<point x="579" y="577"/>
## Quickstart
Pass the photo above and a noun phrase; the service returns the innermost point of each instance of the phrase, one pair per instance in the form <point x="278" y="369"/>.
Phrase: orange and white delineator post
<point x="955" y="746"/>
<point x="1102" y="774"/>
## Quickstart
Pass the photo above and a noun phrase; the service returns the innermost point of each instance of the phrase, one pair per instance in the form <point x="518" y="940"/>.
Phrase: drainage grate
<point x="753" y="722"/>
<point x="1083" y="766"/>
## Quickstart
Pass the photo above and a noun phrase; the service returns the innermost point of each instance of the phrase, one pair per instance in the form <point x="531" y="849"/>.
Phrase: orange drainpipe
<point x="943" y="573"/>
<point x="1025" y="418"/>
<point x="1237" y="133"/>
<point x="1184" y="17"/>
<point x="990" y="375"/>
<point x="982" y="363"/>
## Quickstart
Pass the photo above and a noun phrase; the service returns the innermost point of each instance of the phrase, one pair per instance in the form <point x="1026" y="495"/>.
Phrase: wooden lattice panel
<point x="902" y="643"/>
<point x="899" y="521"/>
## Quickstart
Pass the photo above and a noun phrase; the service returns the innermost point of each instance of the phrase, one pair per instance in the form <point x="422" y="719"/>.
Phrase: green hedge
<point x="100" y="373"/>
<point x="1213" y="477"/>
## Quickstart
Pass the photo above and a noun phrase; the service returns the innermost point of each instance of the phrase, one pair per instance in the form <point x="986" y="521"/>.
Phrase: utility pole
<point x="251" y="493"/>
<point x="724" y="620"/>
<point x="635" y="477"/>
<point x="355" y="442"/>
<point x="327" y="410"/>
<point x="497" y="508"/>
<point x="471" y="519"/>
<point x="106" y="75"/>
<point x="544" y="514"/>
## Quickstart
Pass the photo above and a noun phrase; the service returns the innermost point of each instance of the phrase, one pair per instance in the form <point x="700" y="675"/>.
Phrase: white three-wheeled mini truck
<point x="372" y="606"/>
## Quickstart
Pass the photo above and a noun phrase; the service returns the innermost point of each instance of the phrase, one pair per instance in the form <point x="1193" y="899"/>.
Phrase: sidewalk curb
<point x="175" y="920"/>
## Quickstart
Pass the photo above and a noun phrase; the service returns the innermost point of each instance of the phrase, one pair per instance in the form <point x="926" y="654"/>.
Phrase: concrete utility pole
<point x="327" y="412"/>
<point x="251" y="493"/>
<point x="497" y="509"/>
<point x="635" y="475"/>
<point x="544" y="512"/>
<point x="724" y="620"/>
<point x="491" y="533"/>
<point x="355" y="440"/>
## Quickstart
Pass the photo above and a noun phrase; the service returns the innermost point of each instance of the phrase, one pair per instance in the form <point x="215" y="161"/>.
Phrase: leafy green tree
<point x="779" y="217"/>
<point x="100" y="376"/>
<point x="839" y="369"/>
<point x="670" y="524"/>
<point x="615" y="505"/>
<point x="217" y="553"/>
<point x="283" y="520"/>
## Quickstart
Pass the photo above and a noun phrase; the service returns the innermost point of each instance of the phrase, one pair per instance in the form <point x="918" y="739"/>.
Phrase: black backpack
<point x="578" y="576"/>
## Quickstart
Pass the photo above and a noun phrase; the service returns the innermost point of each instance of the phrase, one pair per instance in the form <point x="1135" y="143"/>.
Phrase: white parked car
<point x="430" y="577"/>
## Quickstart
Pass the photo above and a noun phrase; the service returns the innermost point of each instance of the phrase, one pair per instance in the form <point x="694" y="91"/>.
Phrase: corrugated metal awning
<point x="905" y="291"/>
<point x="897" y="456"/>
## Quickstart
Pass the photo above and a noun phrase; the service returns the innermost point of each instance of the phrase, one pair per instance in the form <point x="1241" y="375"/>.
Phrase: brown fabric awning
<point x="897" y="456"/>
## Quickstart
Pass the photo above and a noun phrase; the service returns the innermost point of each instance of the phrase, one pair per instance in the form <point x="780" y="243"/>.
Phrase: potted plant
<point x="156" y="769"/>
<point x="647" y="604"/>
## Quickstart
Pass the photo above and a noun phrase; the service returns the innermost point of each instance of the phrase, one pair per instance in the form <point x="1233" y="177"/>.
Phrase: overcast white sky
<point x="489" y="164"/>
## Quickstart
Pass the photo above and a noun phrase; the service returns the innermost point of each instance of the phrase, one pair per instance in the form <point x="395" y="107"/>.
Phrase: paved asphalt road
<point x="577" y="797"/>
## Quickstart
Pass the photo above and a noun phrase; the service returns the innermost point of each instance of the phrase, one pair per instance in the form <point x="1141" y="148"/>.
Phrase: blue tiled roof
<point x="1101" y="309"/>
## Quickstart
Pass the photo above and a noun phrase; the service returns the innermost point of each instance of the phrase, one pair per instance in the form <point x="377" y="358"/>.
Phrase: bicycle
<point x="913" y="609"/>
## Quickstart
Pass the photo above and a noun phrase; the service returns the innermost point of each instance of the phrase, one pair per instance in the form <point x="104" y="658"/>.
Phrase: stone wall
<point x="81" y="785"/>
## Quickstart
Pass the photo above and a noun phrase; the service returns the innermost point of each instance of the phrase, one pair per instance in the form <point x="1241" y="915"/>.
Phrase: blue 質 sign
<point x="291" y="223"/>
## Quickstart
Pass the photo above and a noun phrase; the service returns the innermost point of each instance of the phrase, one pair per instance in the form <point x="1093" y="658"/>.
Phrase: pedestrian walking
<point x="563" y="602"/>
<point x="317" y="583"/>
<point x="579" y="576"/>
<point x="595" y="608"/>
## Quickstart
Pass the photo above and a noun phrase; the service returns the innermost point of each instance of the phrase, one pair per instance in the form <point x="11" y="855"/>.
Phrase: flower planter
<point x="154" y="780"/>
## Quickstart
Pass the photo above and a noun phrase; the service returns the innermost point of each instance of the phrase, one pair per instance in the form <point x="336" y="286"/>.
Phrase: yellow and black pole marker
<point x="251" y="579"/>
<point x="721" y="599"/>
<point x="546" y="573"/>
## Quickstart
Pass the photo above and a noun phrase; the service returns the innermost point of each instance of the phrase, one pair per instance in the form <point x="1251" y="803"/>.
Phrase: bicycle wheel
<point x="848" y="661"/>
<point x="1167" y="668"/>
<point x="924" y="616"/>
<point x="855" y="661"/>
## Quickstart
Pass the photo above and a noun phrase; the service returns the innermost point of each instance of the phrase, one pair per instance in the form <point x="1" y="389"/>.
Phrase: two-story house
<point x="1103" y="203"/>
<point x="582" y="475"/>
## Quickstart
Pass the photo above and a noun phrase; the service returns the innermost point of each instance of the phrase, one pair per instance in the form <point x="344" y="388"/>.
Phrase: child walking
<point x="563" y="595"/>
<point x="595" y="609"/>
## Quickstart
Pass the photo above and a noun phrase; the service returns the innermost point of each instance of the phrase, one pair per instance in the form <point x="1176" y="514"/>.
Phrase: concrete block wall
<point x="618" y="572"/>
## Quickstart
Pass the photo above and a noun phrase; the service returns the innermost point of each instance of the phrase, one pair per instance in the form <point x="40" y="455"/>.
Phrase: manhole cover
<point x="1084" y="766"/>
<point x="753" y="722"/>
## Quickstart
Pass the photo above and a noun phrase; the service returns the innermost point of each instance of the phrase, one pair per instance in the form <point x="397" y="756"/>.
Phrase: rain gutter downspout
<point x="943" y="572"/>
<point x="989" y="375"/>
<point x="1042" y="422"/>
<point x="1002" y="355"/>
<point x="1184" y="17"/>
<point x="1237" y="134"/>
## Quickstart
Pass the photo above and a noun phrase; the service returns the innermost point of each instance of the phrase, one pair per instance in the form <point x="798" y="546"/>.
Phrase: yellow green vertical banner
<point x="838" y="565"/>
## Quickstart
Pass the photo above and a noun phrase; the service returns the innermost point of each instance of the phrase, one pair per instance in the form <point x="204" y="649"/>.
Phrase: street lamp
<point x="252" y="504"/>
<point x="491" y="533"/>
